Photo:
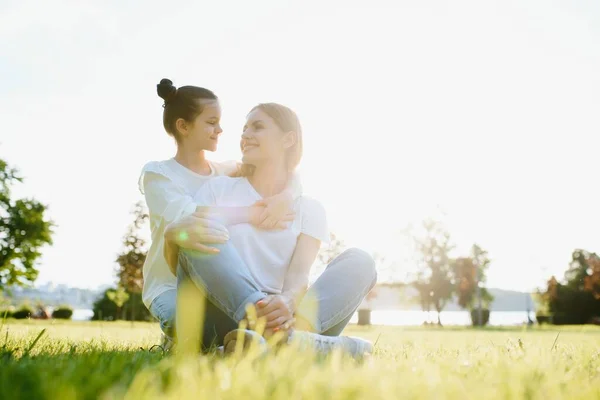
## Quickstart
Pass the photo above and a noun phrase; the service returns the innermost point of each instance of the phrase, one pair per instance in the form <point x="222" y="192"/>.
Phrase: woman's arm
<point x="279" y="309"/>
<point x="296" y="278"/>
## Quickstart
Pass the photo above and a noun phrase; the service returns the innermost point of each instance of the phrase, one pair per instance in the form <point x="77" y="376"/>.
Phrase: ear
<point x="182" y="126"/>
<point x="289" y="140"/>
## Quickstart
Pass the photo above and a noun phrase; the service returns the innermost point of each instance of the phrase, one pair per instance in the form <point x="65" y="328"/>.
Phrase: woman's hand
<point x="276" y="211"/>
<point x="195" y="231"/>
<point x="278" y="311"/>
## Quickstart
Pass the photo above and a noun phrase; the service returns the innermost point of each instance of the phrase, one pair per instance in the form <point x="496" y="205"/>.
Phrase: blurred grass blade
<point x="32" y="345"/>
<point x="191" y="305"/>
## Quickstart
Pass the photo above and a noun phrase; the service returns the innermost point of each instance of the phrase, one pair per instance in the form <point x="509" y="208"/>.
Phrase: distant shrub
<point x="561" y="318"/>
<point x="543" y="318"/>
<point x="62" y="313"/>
<point x="485" y="315"/>
<point x="22" y="313"/>
<point x="5" y="314"/>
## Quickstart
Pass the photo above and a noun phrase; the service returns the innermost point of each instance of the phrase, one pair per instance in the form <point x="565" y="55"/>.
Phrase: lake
<point x="406" y="318"/>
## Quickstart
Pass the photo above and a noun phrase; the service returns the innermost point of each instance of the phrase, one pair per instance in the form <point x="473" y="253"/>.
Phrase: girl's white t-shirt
<point x="267" y="254"/>
<point x="169" y="188"/>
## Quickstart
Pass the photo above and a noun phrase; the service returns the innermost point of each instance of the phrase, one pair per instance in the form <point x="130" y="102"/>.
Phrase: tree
<point x="575" y="300"/>
<point x="106" y="310"/>
<point x="118" y="296"/>
<point x="470" y="275"/>
<point x="24" y="230"/>
<point x="131" y="259"/>
<point x="465" y="273"/>
<point x="434" y="280"/>
<point x="125" y="301"/>
<point x="592" y="281"/>
<point x="335" y="248"/>
<point x="326" y="255"/>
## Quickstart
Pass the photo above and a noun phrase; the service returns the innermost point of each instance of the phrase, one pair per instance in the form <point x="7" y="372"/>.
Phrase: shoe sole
<point x="248" y="337"/>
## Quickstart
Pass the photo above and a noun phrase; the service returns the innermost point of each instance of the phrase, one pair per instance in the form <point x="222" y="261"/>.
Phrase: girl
<point x="192" y="117"/>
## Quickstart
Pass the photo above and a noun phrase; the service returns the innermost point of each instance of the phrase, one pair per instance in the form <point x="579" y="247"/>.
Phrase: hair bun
<point x="166" y="90"/>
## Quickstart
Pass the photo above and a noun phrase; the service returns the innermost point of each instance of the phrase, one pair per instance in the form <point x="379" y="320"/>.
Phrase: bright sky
<point x="487" y="110"/>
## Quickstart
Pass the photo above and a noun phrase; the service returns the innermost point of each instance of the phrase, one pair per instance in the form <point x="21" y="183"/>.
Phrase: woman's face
<point x="262" y="140"/>
<point x="203" y="133"/>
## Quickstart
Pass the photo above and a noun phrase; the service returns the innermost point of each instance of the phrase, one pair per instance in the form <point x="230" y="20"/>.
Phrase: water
<point x="415" y="318"/>
<point x="405" y="318"/>
<point x="82" y="314"/>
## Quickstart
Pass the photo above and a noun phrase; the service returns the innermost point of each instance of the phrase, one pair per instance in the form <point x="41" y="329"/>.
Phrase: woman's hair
<point x="287" y="121"/>
<point x="185" y="102"/>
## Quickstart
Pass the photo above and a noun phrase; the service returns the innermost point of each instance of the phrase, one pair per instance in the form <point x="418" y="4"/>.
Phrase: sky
<point x="485" y="114"/>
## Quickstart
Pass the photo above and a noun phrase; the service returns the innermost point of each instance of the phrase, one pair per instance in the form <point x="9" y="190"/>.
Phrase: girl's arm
<point x="194" y="232"/>
<point x="278" y="206"/>
<point x="165" y="199"/>
<point x="238" y="215"/>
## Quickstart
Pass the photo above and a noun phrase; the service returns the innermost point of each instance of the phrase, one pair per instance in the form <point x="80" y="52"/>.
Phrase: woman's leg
<point x="226" y="282"/>
<point x="332" y="300"/>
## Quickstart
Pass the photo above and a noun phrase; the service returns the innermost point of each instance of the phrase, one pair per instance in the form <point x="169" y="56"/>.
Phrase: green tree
<point x="131" y="259"/>
<point x="106" y="310"/>
<point x="434" y="280"/>
<point x="119" y="296"/>
<point x="24" y="230"/>
<point x="125" y="301"/>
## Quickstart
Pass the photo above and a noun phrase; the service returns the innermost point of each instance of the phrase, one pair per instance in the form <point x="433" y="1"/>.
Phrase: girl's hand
<point x="195" y="231"/>
<point x="277" y="211"/>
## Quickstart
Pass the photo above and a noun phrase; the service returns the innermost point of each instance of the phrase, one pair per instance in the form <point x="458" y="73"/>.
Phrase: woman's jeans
<point x="225" y="281"/>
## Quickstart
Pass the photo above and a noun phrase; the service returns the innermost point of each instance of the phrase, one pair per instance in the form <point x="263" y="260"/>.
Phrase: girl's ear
<point x="182" y="126"/>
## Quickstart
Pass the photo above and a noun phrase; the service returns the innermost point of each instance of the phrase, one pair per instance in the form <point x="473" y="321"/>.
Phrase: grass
<point x="84" y="360"/>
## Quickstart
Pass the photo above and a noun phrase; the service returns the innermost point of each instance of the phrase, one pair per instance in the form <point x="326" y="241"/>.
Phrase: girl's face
<point x="262" y="140"/>
<point x="204" y="131"/>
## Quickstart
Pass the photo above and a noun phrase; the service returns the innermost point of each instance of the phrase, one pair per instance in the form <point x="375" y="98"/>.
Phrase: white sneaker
<point x="354" y="346"/>
<point x="167" y="343"/>
<point x="248" y="337"/>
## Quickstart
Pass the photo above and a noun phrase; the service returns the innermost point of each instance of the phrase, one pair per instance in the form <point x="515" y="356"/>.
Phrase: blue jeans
<point x="163" y="309"/>
<point x="228" y="286"/>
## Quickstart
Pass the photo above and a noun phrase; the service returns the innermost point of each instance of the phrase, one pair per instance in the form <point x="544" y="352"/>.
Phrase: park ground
<point x="107" y="360"/>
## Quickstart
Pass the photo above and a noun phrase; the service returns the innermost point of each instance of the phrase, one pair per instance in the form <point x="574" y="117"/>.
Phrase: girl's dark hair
<point x="181" y="103"/>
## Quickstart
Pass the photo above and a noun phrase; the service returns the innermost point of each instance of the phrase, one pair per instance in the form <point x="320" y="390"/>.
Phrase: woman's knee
<point x="363" y="263"/>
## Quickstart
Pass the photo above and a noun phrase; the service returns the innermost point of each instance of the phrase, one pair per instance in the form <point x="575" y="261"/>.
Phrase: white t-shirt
<point x="169" y="188"/>
<point x="266" y="253"/>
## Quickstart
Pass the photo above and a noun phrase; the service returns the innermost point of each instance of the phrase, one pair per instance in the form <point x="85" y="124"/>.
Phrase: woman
<point x="192" y="117"/>
<point x="271" y="269"/>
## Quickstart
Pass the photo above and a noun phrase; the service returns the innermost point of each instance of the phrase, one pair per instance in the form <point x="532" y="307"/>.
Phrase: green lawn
<point x="80" y="360"/>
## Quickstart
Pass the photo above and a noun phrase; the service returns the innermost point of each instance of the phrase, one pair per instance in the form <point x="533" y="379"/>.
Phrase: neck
<point x="193" y="160"/>
<point x="269" y="180"/>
